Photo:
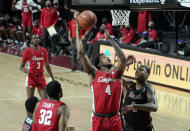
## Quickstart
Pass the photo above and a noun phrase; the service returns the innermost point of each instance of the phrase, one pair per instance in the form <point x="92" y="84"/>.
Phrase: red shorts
<point x="26" y="21"/>
<point x="106" y="124"/>
<point x="33" y="81"/>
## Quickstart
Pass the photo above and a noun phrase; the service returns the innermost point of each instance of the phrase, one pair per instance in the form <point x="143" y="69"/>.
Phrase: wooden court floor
<point x="173" y="113"/>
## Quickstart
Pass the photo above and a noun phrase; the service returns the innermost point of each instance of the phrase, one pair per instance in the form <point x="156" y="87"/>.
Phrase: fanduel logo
<point x="105" y="80"/>
<point x="37" y="58"/>
<point x="146" y="1"/>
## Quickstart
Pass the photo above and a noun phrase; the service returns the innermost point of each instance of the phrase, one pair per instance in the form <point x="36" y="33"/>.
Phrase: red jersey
<point x="48" y="17"/>
<point x="141" y="25"/>
<point x="46" y="115"/>
<point x="72" y="28"/>
<point x="36" y="59"/>
<point x="25" y="10"/>
<point x="106" y="89"/>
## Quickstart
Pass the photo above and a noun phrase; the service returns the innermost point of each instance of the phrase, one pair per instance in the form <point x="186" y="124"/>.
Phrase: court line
<point x="65" y="97"/>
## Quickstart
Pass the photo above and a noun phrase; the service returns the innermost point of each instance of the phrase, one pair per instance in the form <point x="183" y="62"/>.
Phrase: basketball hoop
<point x="120" y="17"/>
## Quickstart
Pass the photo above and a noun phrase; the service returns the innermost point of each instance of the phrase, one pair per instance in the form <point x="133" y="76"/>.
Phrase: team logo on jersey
<point x="37" y="58"/>
<point x="105" y="80"/>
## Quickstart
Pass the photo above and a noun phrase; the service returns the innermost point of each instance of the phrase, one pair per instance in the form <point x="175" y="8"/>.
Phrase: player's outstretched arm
<point x="48" y="68"/>
<point x="123" y="61"/>
<point x="87" y="64"/>
<point x="151" y="105"/>
<point x="64" y="114"/>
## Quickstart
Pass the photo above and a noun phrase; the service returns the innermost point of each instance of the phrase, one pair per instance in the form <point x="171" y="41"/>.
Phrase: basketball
<point x="87" y="19"/>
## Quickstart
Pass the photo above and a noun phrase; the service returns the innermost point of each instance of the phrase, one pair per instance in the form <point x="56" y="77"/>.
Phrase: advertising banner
<point x="164" y="70"/>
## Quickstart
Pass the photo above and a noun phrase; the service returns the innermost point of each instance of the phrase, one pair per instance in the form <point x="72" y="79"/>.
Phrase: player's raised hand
<point x="130" y="59"/>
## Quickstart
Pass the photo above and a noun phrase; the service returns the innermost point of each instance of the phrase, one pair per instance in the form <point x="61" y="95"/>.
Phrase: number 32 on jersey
<point x="46" y="115"/>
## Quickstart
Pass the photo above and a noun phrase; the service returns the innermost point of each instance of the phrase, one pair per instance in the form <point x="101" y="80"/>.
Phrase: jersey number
<point x="38" y="65"/>
<point x="45" y="116"/>
<point x="108" y="90"/>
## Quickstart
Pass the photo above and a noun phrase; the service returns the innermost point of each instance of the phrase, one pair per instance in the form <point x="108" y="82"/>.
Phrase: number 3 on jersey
<point x="108" y="90"/>
<point x="38" y="65"/>
<point x="45" y="116"/>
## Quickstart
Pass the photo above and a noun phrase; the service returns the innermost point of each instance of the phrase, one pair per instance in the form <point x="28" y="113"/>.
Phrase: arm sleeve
<point x="25" y="56"/>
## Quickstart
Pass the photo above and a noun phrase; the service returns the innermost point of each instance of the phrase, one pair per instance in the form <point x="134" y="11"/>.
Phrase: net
<point x="120" y="17"/>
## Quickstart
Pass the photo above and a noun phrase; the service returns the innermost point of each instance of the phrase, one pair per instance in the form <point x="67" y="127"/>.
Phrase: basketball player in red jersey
<point x="26" y="20"/>
<point x="51" y="114"/>
<point x="105" y="84"/>
<point x="37" y="57"/>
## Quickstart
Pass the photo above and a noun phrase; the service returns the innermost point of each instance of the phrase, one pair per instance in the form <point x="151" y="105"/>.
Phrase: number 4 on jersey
<point x="108" y="90"/>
